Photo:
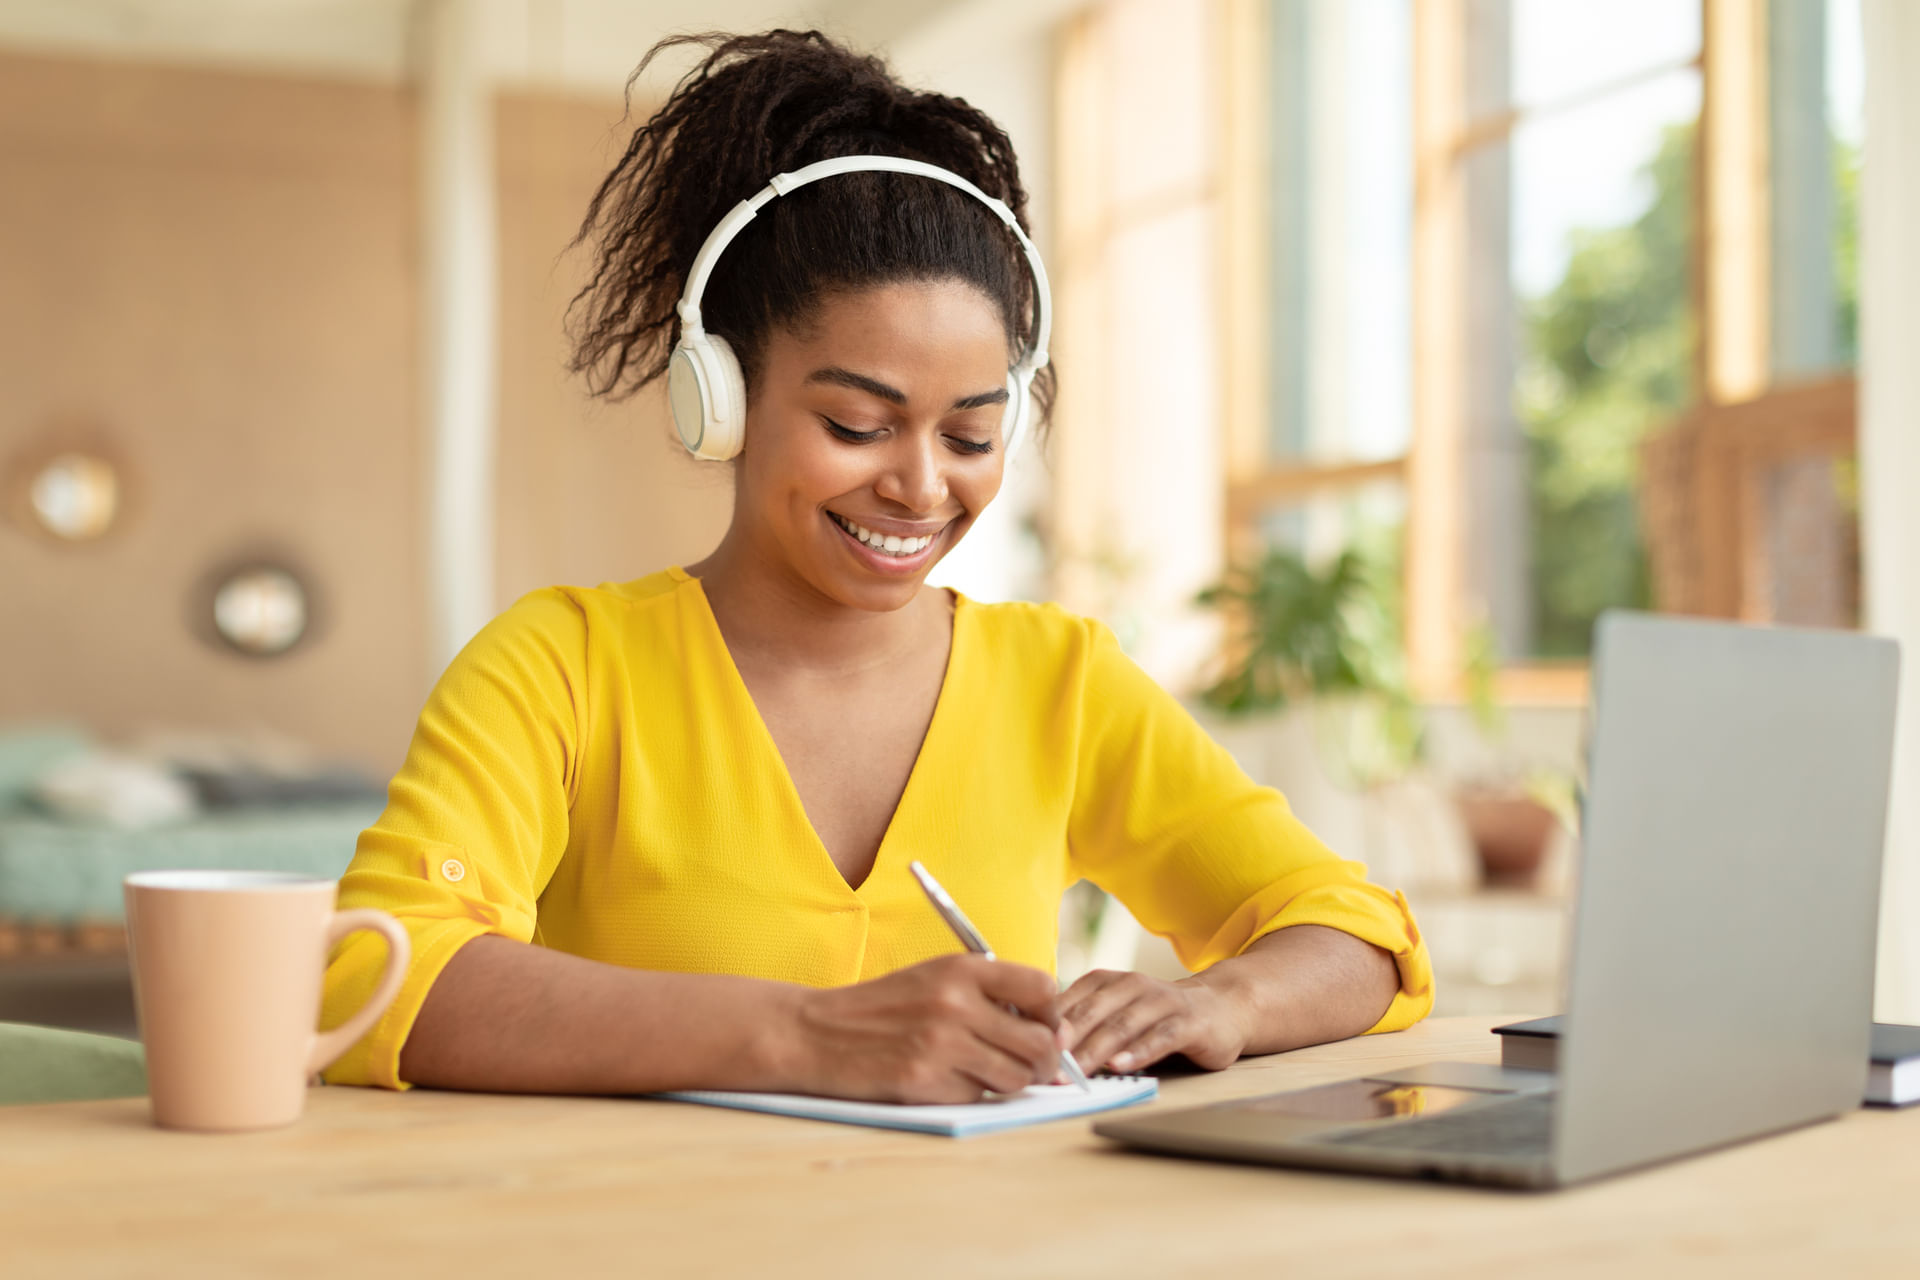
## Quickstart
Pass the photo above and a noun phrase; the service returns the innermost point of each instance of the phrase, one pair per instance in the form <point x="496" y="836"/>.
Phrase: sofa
<point x="60" y="873"/>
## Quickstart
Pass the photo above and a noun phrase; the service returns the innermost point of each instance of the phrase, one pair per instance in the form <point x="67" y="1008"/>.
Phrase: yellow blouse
<point x="591" y="774"/>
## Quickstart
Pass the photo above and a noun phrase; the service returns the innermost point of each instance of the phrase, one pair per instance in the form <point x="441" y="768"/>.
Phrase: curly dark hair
<point x="755" y="106"/>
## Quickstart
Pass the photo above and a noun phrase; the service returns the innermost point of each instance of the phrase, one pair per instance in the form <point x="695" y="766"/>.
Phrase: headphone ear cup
<point x="708" y="394"/>
<point x="1017" y="418"/>
<point x="727" y="411"/>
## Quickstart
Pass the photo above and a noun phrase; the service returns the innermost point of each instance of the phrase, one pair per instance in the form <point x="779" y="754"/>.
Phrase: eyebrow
<point x="836" y="376"/>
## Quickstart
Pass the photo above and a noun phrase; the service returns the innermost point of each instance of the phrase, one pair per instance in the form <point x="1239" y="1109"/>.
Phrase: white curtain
<point x="1890" y="451"/>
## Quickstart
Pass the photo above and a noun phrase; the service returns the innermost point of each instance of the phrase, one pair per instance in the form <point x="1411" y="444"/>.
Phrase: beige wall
<point x="215" y="271"/>
<point x="589" y="492"/>
<point x="215" y="275"/>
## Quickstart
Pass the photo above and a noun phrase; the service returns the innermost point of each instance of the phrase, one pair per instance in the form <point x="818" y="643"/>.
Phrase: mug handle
<point x="328" y="1045"/>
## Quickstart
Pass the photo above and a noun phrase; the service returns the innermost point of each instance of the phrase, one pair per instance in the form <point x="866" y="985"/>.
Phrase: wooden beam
<point x="1116" y="220"/>
<point x="1543" y="685"/>
<point x="1499" y="126"/>
<point x="1244" y="259"/>
<point x="459" y="254"/>
<point x="1078" y="472"/>
<point x="1436" y="471"/>
<point x="1278" y="486"/>
<point x="1735" y="243"/>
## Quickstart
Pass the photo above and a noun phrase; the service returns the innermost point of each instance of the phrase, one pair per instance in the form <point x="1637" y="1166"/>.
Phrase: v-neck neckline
<point x="791" y="792"/>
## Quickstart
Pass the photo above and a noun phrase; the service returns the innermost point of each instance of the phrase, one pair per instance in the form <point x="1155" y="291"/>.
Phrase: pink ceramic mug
<point x="227" y="967"/>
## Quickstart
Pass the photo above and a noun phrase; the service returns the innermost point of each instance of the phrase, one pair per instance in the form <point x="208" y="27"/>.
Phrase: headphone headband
<point x="1035" y="357"/>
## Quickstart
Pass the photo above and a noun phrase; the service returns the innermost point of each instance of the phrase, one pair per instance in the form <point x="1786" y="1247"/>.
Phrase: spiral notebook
<point x="1035" y="1105"/>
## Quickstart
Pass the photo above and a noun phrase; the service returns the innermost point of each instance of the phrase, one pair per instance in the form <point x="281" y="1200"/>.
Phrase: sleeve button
<point x="454" y="870"/>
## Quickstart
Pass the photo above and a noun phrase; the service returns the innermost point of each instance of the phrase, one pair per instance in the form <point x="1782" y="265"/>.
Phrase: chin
<point x="880" y="599"/>
<point x="876" y="595"/>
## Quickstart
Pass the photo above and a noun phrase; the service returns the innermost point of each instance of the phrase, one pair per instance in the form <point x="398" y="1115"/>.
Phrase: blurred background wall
<point x="210" y="278"/>
<point x="214" y="278"/>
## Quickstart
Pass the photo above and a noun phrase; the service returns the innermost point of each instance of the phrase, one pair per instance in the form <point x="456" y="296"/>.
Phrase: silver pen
<point x="970" y="939"/>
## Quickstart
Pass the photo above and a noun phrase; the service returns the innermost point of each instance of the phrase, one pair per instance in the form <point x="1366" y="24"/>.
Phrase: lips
<point x="885" y="543"/>
<point x="862" y="542"/>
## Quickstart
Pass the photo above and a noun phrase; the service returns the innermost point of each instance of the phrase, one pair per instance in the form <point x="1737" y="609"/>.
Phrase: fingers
<point x="1113" y="1037"/>
<point x="1169" y="1035"/>
<point x="1028" y="1043"/>
<point x="1029" y="990"/>
<point x="956" y="1065"/>
<point x="1017" y="1014"/>
<point x="1080" y="1004"/>
<point x="941" y="1031"/>
<point x="1087" y="983"/>
<point x="1126" y="1021"/>
<point x="1010" y="1012"/>
<point x="1004" y="1072"/>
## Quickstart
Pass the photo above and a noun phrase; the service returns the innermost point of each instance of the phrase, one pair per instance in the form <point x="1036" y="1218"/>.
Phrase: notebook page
<point x="1034" y="1105"/>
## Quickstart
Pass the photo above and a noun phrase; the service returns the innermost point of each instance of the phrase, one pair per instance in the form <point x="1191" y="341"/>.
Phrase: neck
<point x="769" y="615"/>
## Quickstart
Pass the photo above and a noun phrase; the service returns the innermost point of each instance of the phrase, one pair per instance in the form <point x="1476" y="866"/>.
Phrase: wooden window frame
<point x="1730" y="288"/>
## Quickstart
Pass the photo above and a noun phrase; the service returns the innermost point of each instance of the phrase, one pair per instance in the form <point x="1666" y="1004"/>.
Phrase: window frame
<point x="1729" y="285"/>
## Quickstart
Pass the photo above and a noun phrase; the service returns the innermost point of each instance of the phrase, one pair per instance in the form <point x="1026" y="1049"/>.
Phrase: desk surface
<point x="431" y="1184"/>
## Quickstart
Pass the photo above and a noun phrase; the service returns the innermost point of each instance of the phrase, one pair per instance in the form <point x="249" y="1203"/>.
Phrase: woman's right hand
<point x="939" y="1031"/>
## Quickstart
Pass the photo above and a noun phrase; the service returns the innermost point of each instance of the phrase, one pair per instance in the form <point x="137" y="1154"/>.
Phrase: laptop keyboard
<point x="1522" y="1126"/>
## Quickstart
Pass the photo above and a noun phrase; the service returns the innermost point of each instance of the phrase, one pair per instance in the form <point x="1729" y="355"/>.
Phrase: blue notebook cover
<point x="1035" y="1105"/>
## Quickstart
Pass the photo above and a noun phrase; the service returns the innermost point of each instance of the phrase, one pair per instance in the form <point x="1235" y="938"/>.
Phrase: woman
<point x="696" y="794"/>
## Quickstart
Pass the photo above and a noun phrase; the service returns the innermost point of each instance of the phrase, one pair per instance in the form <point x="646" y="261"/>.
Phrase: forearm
<point x="1307" y="984"/>
<point x="508" y="1017"/>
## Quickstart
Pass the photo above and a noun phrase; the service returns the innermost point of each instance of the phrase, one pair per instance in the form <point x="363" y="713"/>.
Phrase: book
<point x="1034" y="1105"/>
<point x="1533" y="1045"/>
<point x="1893" y="1077"/>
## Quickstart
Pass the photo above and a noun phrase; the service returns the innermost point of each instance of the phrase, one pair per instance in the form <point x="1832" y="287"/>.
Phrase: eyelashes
<point x="955" y="443"/>
<point x="849" y="434"/>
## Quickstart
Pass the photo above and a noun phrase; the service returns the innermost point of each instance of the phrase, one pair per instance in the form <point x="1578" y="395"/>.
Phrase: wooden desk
<point x="441" y="1184"/>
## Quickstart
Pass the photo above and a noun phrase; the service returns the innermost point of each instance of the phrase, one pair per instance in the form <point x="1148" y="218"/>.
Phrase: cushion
<point x="116" y="789"/>
<point x="28" y="752"/>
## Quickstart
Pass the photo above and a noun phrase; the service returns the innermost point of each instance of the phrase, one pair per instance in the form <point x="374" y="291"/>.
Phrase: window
<point x="1134" y="527"/>
<point x="1558" y="298"/>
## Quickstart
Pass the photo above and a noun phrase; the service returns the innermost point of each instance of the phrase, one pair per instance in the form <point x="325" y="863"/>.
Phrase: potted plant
<point x="1327" y="638"/>
<point x="1512" y="812"/>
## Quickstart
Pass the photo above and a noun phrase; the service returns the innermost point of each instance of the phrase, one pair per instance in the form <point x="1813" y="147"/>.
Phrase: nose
<point x="915" y="474"/>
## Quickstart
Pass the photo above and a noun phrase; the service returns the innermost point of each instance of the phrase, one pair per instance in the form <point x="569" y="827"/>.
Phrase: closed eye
<point x="956" y="443"/>
<point x="849" y="434"/>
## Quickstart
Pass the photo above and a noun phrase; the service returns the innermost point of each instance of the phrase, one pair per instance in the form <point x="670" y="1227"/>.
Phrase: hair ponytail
<point x="755" y="106"/>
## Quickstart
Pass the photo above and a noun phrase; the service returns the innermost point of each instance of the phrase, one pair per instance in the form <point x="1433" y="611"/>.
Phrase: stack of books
<point x="1893" y="1081"/>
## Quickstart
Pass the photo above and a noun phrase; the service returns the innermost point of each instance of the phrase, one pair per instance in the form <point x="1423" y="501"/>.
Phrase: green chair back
<point x="46" y="1064"/>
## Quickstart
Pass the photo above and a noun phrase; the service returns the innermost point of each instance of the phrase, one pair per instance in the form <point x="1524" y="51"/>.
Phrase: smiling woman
<point x="880" y="423"/>
<point x="655" y="834"/>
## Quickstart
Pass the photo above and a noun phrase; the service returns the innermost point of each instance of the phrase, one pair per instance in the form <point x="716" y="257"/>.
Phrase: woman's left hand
<point x="1124" y="1022"/>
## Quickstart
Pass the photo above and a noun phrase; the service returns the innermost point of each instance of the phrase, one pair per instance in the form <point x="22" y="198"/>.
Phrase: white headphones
<point x="704" y="382"/>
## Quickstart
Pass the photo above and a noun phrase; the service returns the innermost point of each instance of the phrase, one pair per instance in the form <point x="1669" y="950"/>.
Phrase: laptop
<point x="1726" y="916"/>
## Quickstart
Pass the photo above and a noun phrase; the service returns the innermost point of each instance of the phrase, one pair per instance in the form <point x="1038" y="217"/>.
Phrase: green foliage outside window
<point x="1607" y="357"/>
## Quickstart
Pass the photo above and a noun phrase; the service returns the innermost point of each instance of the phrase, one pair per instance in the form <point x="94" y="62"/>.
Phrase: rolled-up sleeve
<point x="476" y="820"/>
<point x="1165" y="820"/>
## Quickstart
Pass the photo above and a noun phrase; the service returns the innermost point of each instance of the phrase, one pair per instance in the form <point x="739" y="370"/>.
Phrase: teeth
<point x="887" y="544"/>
